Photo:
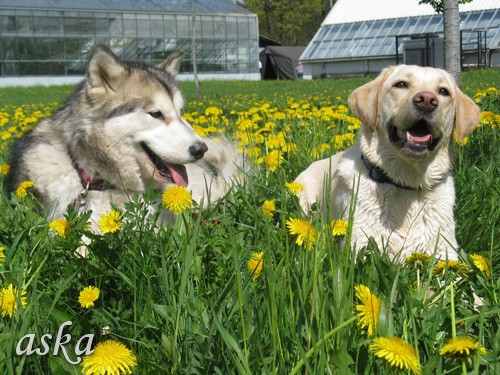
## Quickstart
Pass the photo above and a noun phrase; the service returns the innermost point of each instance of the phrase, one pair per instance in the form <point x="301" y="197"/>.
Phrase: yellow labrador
<point x="399" y="169"/>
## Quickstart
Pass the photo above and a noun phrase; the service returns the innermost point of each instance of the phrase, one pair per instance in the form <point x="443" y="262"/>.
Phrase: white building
<point x="364" y="36"/>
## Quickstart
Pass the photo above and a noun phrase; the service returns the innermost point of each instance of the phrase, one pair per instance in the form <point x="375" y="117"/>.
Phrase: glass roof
<point x="378" y="38"/>
<point x="166" y="6"/>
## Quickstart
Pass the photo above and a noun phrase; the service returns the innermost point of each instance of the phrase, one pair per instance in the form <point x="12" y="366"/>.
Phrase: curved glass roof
<point x="378" y="37"/>
<point x="165" y="6"/>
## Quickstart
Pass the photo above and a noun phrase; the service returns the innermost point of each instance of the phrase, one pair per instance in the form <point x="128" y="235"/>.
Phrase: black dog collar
<point x="377" y="174"/>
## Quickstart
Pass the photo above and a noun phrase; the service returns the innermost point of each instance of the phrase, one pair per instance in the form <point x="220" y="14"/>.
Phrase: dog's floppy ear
<point x="467" y="115"/>
<point x="104" y="69"/>
<point x="364" y="100"/>
<point x="172" y="63"/>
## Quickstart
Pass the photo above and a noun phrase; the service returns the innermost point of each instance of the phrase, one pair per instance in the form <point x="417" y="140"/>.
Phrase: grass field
<point x="191" y="298"/>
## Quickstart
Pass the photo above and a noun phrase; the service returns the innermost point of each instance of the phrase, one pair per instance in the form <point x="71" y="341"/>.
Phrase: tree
<point x="290" y="22"/>
<point x="451" y="20"/>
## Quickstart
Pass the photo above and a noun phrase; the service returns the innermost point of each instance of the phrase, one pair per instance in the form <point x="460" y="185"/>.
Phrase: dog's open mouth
<point x="416" y="140"/>
<point x="174" y="172"/>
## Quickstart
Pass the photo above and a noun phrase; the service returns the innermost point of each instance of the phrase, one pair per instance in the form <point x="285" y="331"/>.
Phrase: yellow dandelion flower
<point x="461" y="347"/>
<point x="177" y="199"/>
<point x="268" y="208"/>
<point x="369" y="309"/>
<point x="4" y="169"/>
<point x="60" y="227"/>
<point x="88" y="296"/>
<point x="213" y="111"/>
<point x="10" y="299"/>
<point x="339" y="227"/>
<point x="305" y="232"/>
<point x="417" y="260"/>
<point x="455" y="266"/>
<point x="2" y="254"/>
<point x="273" y="160"/>
<point x="22" y="189"/>
<point x="482" y="264"/>
<point x="458" y="141"/>
<point x="109" y="357"/>
<point x="294" y="187"/>
<point x="397" y="353"/>
<point x="110" y="222"/>
<point x="256" y="263"/>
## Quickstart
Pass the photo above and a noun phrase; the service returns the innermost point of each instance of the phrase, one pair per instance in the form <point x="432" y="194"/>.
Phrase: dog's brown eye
<point x="444" y="92"/>
<point x="401" y="85"/>
<point x="157" y="114"/>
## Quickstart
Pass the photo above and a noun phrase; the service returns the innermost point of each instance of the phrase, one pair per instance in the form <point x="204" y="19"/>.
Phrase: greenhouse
<point x="54" y="37"/>
<point x="363" y="39"/>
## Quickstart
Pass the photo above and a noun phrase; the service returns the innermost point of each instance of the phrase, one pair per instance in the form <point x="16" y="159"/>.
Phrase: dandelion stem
<point x="36" y="272"/>
<point x="299" y="365"/>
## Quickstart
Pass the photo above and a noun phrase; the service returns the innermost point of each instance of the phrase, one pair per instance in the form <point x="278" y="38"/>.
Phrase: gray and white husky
<point x="120" y="132"/>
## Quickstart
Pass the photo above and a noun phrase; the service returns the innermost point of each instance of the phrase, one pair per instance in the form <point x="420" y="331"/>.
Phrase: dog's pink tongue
<point x="421" y="139"/>
<point x="178" y="173"/>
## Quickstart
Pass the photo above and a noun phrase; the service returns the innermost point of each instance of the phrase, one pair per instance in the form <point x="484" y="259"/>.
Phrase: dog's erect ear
<point x="105" y="69"/>
<point x="467" y="115"/>
<point x="172" y="64"/>
<point x="364" y="100"/>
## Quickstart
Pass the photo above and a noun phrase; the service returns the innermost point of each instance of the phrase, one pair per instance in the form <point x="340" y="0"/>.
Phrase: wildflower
<point x="10" y="298"/>
<point x="458" y="141"/>
<point x="369" y="309"/>
<point x="294" y="187"/>
<point x="450" y="266"/>
<point x="339" y="227"/>
<point x="256" y="263"/>
<point x="213" y="111"/>
<point x="2" y="254"/>
<point x="109" y="357"/>
<point x="88" y="296"/>
<point x="176" y="199"/>
<point x="22" y="189"/>
<point x="60" y="227"/>
<point x="397" y="353"/>
<point x="461" y="347"/>
<point x="305" y="232"/>
<point x="4" y="169"/>
<point x="417" y="260"/>
<point x="268" y="208"/>
<point x="273" y="160"/>
<point x="110" y="222"/>
<point x="482" y="264"/>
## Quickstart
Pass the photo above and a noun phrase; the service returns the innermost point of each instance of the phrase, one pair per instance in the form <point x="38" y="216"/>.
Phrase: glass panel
<point x="57" y="49"/>
<point x="487" y="19"/>
<point x="207" y="26"/>
<point x="71" y="24"/>
<point x="231" y="27"/>
<point x="27" y="68"/>
<point x="115" y="24"/>
<point x="26" y="48"/>
<point x="183" y="26"/>
<point x="101" y="24"/>
<point x="9" y="48"/>
<point x="41" y="23"/>
<point x="24" y="24"/>
<point x="10" y="69"/>
<point x="143" y="28"/>
<point x="169" y="25"/>
<point x="86" y="23"/>
<point x="129" y="25"/>
<point x="156" y="25"/>
<point x="243" y="29"/>
<point x="130" y="49"/>
<point x="56" y="23"/>
<point x="8" y="22"/>
<point x="252" y="24"/>
<point x="219" y="27"/>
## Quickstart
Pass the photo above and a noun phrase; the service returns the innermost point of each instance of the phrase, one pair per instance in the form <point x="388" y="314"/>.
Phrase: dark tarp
<point x="279" y="62"/>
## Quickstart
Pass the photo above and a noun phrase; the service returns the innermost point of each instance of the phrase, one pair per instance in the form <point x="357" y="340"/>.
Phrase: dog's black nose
<point x="198" y="149"/>
<point x="425" y="101"/>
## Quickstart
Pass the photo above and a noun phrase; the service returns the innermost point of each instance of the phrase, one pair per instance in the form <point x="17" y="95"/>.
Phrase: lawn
<point x="227" y="289"/>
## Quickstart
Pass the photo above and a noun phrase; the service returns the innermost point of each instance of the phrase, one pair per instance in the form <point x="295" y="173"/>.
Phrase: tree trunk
<point x="452" y="58"/>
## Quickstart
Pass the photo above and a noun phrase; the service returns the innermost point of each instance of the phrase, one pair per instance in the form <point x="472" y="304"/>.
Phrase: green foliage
<point x="181" y="295"/>
<point x="438" y="4"/>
